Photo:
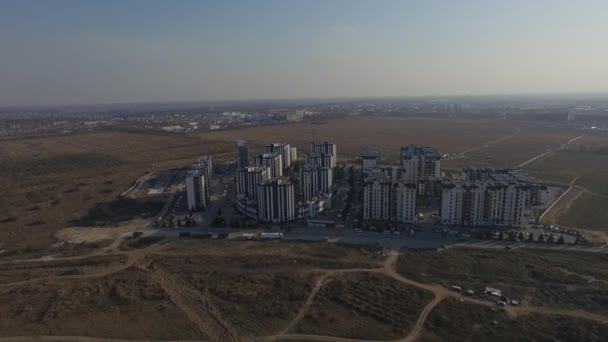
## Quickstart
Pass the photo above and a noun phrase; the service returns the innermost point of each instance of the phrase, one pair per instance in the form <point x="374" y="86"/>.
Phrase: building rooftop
<point x="371" y="151"/>
<point x="414" y="150"/>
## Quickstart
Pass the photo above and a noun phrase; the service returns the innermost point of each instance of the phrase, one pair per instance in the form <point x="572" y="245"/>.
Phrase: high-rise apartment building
<point x="315" y="180"/>
<point x="387" y="196"/>
<point x="280" y="148"/>
<point x="421" y="163"/>
<point x="248" y="178"/>
<point x="325" y="148"/>
<point x="198" y="180"/>
<point x="274" y="161"/>
<point x="197" y="196"/>
<point x="485" y="199"/>
<point x="276" y="201"/>
<point x="242" y="154"/>
<point x="370" y="158"/>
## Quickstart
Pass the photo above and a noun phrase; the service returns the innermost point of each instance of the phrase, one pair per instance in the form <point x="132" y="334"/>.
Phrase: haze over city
<point x="282" y="170"/>
<point x="65" y="52"/>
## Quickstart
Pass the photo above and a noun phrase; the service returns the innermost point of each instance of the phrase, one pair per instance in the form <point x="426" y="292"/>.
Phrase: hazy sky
<point x="55" y="52"/>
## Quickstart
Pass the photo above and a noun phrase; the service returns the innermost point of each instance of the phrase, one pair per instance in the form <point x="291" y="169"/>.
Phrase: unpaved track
<point x="489" y="143"/>
<point x="419" y="326"/>
<point x="200" y="309"/>
<point x="318" y="284"/>
<point x="132" y="257"/>
<point x="440" y="293"/>
<point x="562" y="146"/>
<point x="197" y="307"/>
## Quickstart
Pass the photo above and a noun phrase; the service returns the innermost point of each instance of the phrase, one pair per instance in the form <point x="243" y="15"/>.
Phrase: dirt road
<point x="203" y="312"/>
<point x="440" y="293"/>
<point x="197" y="307"/>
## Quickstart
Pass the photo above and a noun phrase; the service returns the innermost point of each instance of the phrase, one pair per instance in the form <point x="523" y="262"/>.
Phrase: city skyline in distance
<point x="69" y="52"/>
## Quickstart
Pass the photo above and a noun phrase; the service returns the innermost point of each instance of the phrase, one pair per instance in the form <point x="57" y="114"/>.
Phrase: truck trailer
<point x="271" y="236"/>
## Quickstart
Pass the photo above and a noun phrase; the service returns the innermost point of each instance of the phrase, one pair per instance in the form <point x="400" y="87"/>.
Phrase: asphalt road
<point x="422" y="240"/>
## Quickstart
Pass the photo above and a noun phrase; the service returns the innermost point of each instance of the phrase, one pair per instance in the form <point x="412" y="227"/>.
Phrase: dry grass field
<point x="125" y="305"/>
<point x="586" y="158"/>
<point x="160" y="292"/>
<point x="531" y="140"/>
<point x="455" y="321"/>
<point x="53" y="182"/>
<point x="555" y="279"/>
<point x="365" y="306"/>
<point x="239" y="291"/>
<point x="586" y="161"/>
<point x="588" y="211"/>
<point x="389" y="133"/>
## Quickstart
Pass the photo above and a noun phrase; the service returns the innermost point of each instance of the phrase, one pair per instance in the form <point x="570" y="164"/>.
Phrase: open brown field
<point x="53" y="182"/>
<point x="588" y="211"/>
<point x="560" y="279"/>
<point x="247" y="289"/>
<point x="586" y="159"/>
<point x="530" y="141"/>
<point x="125" y="305"/>
<point x="389" y="133"/>
<point x="238" y="291"/>
<point x="585" y="162"/>
<point x="561" y="207"/>
<point x="365" y="306"/>
<point x="456" y="321"/>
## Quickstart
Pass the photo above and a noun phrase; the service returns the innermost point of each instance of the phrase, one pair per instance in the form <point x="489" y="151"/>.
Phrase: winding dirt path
<point x="132" y="257"/>
<point x="440" y="293"/>
<point x="201" y="310"/>
<point x="419" y="326"/>
<point x="318" y="284"/>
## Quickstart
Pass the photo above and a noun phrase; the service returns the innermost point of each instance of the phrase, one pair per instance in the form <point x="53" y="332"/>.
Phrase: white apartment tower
<point x="483" y="203"/>
<point x="315" y="180"/>
<point x="325" y="148"/>
<point x="404" y="202"/>
<point x="387" y="196"/>
<point x="198" y="180"/>
<point x="196" y="190"/>
<point x="283" y="149"/>
<point x="274" y="161"/>
<point x="377" y="199"/>
<point x="248" y="178"/>
<point x="293" y="151"/>
<point x="276" y="201"/>
<point x="421" y="162"/>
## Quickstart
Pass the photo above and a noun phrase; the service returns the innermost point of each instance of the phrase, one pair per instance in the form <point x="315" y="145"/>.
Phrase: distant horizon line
<point x="554" y="95"/>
